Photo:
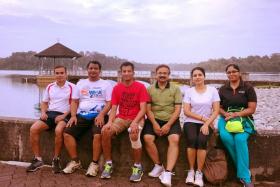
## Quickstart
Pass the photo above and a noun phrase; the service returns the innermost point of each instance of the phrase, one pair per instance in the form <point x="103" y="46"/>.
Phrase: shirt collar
<point x="65" y="84"/>
<point x="167" y="85"/>
<point x="241" y="84"/>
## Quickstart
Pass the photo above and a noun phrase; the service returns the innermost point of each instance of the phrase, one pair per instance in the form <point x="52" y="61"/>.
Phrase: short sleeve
<point x="76" y="91"/>
<point x="215" y="95"/>
<point x="115" y="98"/>
<point x="144" y="97"/>
<point x="108" y="93"/>
<point x="46" y="95"/>
<point x="178" y="96"/>
<point x="251" y="94"/>
<point x="187" y="98"/>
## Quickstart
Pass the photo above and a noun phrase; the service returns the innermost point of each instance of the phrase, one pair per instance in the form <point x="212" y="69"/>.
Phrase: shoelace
<point x="135" y="170"/>
<point x="107" y="167"/>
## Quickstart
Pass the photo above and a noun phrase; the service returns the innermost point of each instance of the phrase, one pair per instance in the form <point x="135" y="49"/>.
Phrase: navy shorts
<point x="50" y="122"/>
<point x="148" y="127"/>
<point x="83" y="126"/>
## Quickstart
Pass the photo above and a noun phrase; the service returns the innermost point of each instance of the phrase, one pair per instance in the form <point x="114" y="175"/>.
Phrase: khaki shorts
<point x="119" y="125"/>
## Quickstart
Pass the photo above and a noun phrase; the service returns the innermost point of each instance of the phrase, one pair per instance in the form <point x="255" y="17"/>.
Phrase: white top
<point x="201" y="103"/>
<point x="92" y="95"/>
<point x="57" y="97"/>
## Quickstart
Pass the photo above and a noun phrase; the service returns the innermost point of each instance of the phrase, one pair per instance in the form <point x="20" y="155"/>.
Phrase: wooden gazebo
<point x="54" y="55"/>
<point x="56" y="52"/>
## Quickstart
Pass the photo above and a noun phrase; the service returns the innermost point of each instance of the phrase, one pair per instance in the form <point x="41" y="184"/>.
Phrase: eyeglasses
<point x="231" y="72"/>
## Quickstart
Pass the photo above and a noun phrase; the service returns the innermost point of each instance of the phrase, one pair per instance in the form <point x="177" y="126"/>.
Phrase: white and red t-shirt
<point x="92" y="96"/>
<point x="58" y="98"/>
<point x="128" y="98"/>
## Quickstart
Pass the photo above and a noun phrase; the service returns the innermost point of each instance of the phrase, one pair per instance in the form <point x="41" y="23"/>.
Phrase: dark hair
<point x="127" y="64"/>
<point x="94" y="62"/>
<point x="60" y="66"/>
<point x="163" y="66"/>
<point x="234" y="66"/>
<point x="199" y="69"/>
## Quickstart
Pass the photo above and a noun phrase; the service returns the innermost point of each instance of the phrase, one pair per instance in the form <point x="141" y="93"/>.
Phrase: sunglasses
<point x="232" y="72"/>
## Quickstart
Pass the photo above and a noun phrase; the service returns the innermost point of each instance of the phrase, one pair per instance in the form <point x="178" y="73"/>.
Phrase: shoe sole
<point x="89" y="175"/>
<point x="79" y="167"/>
<point x="102" y="177"/>
<point x="35" y="169"/>
<point x="138" y="180"/>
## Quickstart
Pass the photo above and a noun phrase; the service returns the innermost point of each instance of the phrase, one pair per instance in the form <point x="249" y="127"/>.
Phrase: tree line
<point x="27" y="61"/>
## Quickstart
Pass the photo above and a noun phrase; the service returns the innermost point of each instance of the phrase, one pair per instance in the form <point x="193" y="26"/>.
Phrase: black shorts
<point x="50" y="122"/>
<point x="148" y="127"/>
<point x="194" y="137"/>
<point x="83" y="126"/>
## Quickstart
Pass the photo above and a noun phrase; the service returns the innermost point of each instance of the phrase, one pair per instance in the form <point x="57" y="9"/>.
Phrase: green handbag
<point x="235" y="125"/>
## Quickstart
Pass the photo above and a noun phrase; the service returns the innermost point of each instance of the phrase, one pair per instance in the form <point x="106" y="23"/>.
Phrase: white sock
<point x="137" y="165"/>
<point x="109" y="162"/>
<point x="39" y="158"/>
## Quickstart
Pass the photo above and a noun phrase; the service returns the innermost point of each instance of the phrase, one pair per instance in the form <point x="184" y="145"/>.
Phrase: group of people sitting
<point x="95" y="105"/>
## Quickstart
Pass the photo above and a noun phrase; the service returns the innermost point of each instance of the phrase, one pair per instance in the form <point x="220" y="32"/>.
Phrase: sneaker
<point x="250" y="184"/>
<point x="56" y="167"/>
<point x="35" y="164"/>
<point x="92" y="170"/>
<point x="198" y="179"/>
<point x="72" y="166"/>
<point x="165" y="178"/>
<point x="108" y="169"/>
<point x="156" y="171"/>
<point x="137" y="173"/>
<point x="190" y="177"/>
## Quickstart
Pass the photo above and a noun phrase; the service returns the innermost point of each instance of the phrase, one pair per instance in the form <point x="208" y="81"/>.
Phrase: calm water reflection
<point x="18" y="99"/>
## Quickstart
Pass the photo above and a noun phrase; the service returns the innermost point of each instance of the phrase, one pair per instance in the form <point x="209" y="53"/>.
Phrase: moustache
<point x="162" y="77"/>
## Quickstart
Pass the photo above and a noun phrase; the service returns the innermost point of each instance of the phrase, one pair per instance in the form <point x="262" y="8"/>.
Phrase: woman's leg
<point x="242" y="156"/>
<point x="227" y="139"/>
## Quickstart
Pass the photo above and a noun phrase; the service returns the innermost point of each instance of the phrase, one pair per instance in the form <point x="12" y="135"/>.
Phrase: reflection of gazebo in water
<point x="57" y="54"/>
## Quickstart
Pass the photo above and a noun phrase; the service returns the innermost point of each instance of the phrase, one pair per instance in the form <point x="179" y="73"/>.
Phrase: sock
<point x="158" y="165"/>
<point x="76" y="159"/>
<point x="137" y="165"/>
<point x="39" y="158"/>
<point x="167" y="171"/>
<point x="109" y="162"/>
<point x="96" y="162"/>
<point x="55" y="158"/>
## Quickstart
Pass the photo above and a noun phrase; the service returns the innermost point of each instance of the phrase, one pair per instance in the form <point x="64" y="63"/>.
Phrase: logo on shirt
<point x="95" y="93"/>
<point x="241" y="91"/>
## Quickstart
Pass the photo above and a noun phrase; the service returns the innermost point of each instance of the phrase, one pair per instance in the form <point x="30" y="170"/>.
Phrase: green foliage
<point x="27" y="61"/>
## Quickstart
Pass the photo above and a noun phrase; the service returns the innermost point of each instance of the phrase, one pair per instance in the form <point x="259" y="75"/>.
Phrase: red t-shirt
<point x="129" y="98"/>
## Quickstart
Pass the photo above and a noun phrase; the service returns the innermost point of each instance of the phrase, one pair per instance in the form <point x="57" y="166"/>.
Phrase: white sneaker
<point x="92" y="169"/>
<point x="165" y="178"/>
<point x="72" y="166"/>
<point x="156" y="171"/>
<point x="190" y="177"/>
<point x="198" y="179"/>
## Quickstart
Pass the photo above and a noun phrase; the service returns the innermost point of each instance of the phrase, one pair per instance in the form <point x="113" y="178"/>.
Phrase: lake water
<point x="20" y="99"/>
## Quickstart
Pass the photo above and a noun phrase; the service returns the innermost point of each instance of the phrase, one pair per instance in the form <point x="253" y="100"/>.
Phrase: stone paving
<point x="16" y="176"/>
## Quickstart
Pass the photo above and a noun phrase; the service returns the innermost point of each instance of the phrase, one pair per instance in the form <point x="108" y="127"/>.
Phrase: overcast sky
<point x="147" y="31"/>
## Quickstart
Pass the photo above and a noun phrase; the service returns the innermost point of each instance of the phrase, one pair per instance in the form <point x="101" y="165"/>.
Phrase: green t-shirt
<point x="163" y="101"/>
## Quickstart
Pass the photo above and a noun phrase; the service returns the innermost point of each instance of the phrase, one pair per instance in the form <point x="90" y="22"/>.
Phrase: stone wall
<point x="14" y="145"/>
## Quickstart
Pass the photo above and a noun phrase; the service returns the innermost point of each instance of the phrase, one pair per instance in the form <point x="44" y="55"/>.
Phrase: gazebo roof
<point x="58" y="51"/>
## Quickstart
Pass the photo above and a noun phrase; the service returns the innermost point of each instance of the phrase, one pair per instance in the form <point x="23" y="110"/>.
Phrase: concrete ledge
<point x="14" y="145"/>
